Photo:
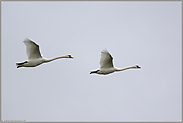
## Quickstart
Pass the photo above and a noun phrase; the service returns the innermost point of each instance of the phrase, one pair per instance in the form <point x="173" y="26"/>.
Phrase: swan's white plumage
<point x="32" y="49"/>
<point x="106" y="64"/>
<point x="106" y="59"/>
<point x="34" y="55"/>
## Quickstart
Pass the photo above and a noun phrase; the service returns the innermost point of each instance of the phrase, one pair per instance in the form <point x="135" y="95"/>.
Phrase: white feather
<point x="106" y="59"/>
<point x="32" y="49"/>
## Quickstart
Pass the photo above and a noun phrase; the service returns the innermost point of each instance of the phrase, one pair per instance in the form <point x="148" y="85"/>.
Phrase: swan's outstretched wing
<point x="32" y="49"/>
<point x="106" y="59"/>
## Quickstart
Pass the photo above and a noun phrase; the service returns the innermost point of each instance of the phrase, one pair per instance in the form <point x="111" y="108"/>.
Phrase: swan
<point x="34" y="55"/>
<point x="106" y="64"/>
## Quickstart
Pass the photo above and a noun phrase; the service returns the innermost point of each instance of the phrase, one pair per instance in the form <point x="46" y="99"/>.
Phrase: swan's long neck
<point x="121" y="69"/>
<point x="49" y="60"/>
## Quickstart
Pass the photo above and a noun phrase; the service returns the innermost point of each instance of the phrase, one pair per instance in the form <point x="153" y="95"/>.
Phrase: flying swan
<point x="106" y="64"/>
<point x="34" y="55"/>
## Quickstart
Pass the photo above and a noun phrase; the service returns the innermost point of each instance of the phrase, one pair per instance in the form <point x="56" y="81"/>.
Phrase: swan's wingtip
<point x="26" y="39"/>
<point x="104" y="50"/>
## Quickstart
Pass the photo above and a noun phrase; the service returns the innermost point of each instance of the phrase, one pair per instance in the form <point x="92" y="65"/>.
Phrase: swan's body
<point x="106" y="64"/>
<point x="34" y="55"/>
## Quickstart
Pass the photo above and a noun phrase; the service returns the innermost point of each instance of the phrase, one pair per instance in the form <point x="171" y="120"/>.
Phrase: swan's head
<point x="69" y="56"/>
<point x="136" y="66"/>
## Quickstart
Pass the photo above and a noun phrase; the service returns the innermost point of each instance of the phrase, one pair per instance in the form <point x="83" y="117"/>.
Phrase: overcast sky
<point x="144" y="33"/>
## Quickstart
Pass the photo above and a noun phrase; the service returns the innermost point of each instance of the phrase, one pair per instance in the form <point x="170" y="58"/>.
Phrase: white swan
<point x="34" y="55"/>
<point x="106" y="64"/>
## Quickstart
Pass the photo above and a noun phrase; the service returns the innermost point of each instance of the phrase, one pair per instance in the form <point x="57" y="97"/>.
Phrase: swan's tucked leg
<point x="20" y="64"/>
<point x="94" y="71"/>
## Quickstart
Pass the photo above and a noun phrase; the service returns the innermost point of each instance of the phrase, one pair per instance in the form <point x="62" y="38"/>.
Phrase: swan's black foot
<point x="21" y="63"/>
<point x="94" y="71"/>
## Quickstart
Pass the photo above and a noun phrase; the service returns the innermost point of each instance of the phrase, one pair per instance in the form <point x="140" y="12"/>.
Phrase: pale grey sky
<point x="144" y="33"/>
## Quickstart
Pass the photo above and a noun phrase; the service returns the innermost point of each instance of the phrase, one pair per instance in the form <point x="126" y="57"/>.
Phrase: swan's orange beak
<point x="138" y="67"/>
<point x="70" y="57"/>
